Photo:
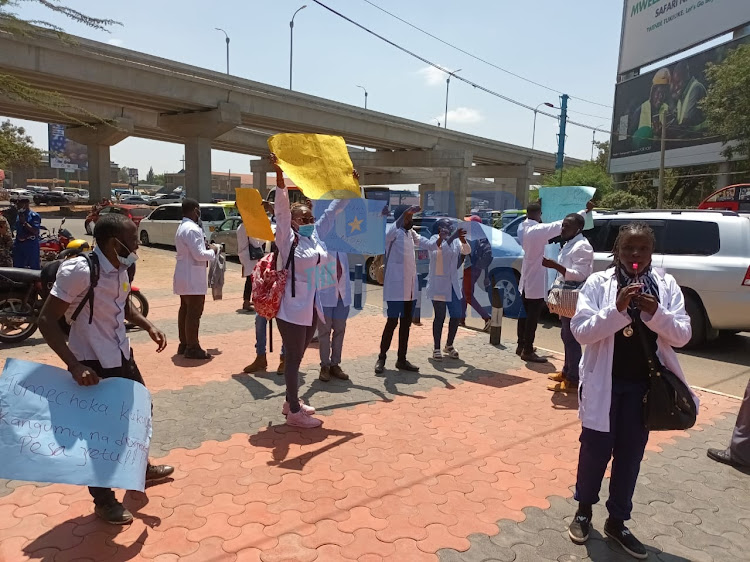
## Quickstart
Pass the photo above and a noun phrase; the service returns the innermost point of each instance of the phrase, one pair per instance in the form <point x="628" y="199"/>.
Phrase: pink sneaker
<point x="309" y="410"/>
<point x="303" y="420"/>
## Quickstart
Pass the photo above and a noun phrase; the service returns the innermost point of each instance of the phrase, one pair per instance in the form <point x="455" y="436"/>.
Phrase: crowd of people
<point x="609" y="378"/>
<point x="23" y="251"/>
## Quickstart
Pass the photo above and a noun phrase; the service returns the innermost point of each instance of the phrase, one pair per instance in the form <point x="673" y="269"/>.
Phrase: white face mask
<point x="130" y="259"/>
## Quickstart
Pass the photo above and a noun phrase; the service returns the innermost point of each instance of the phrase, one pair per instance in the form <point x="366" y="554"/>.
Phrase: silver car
<point x="226" y="233"/>
<point x="707" y="252"/>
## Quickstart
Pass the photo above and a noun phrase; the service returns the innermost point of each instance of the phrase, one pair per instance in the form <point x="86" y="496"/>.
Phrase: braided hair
<point x="636" y="228"/>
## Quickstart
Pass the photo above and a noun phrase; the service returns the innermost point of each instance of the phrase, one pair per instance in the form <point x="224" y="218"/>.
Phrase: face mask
<point x="128" y="260"/>
<point x="306" y="230"/>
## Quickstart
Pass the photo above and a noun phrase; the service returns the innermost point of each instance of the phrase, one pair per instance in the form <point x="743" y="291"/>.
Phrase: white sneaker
<point x="450" y="351"/>
<point x="309" y="410"/>
<point x="303" y="420"/>
<point x="437" y="356"/>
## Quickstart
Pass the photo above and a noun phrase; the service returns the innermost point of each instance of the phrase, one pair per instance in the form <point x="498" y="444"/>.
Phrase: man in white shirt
<point x="399" y="287"/>
<point x="335" y="298"/>
<point x="575" y="264"/>
<point x="190" y="278"/>
<point x="534" y="236"/>
<point x="249" y="250"/>
<point x="98" y="346"/>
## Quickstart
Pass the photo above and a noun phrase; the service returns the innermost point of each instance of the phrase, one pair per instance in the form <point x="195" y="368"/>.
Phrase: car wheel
<point x="144" y="238"/>
<point x="506" y="280"/>
<point x="89" y="228"/>
<point x="698" y="320"/>
<point x="370" y="269"/>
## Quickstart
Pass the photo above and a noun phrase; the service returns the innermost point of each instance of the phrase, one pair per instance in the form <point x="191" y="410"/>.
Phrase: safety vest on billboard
<point x="681" y="105"/>
<point x="646" y="114"/>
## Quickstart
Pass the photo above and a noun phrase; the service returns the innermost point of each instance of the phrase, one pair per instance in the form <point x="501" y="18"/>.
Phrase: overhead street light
<point x="536" y="111"/>
<point x="447" y="90"/>
<point x="291" y="43"/>
<point x="365" y="90"/>
<point x="227" y="36"/>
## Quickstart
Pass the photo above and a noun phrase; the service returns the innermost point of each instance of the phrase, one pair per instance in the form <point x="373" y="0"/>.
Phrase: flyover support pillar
<point x="424" y="190"/>
<point x="459" y="190"/>
<point x="198" y="184"/>
<point x="260" y="182"/>
<point x="523" y="185"/>
<point x="98" y="139"/>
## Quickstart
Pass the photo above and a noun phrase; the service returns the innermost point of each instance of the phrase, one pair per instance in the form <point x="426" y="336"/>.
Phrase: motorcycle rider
<point x="26" y="247"/>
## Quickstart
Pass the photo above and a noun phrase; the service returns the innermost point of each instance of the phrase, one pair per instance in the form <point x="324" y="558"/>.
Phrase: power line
<point x="480" y="59"/>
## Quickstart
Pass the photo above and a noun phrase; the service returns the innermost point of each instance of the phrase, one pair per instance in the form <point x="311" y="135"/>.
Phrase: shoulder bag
<point x="668" y="404"/>
<point x="563" y="298"/>
<point x="379" y="264"/>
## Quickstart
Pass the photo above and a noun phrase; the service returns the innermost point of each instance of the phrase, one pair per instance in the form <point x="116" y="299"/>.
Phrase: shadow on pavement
<point x="564" y="400"/>
<point x="733" y="349"/>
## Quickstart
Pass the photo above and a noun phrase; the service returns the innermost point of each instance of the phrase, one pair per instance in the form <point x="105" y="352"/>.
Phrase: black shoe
<point x="533" y="358"/>
<point x="181" y="349"/>
<point x="406" y="366"/>
<point x="619" y="533"/>
<point x="379" y="366"/>
<point x="519" y="350"/>
<point x="724" y="456"/>
<point x="158" y="472"/>
<point x="114" y="514"/>
<point x="196" y="353"/>
<point x="580" y="528"/>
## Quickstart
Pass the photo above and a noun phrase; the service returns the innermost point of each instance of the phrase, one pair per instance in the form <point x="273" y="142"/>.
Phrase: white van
<point x="161" y="225"/>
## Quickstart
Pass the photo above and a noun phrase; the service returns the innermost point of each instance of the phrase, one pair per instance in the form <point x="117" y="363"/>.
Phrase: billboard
<point x="65" y="153"/>
<point x="669" y="96"/>
<point x="656" y="29"/>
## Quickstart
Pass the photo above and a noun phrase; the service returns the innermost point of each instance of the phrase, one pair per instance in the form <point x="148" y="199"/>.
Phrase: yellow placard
<point x="253" y="214"/>
<point x="318" y="164"/>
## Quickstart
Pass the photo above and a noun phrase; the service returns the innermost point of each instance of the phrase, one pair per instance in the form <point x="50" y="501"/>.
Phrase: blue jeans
<point x="455" y="311"/>
<point x="261" y="329"/>
<point x="573" y="352"/>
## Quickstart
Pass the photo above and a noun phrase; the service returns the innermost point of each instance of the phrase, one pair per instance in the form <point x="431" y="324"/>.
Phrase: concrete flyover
<point x="120" y="93"/>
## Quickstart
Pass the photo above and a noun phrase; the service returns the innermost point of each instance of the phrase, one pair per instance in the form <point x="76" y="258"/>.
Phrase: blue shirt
<point x="34" y="220"/>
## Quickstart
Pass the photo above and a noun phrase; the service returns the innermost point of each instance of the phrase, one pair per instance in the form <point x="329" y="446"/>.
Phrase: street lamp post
<point x="291" y="43"/>
<point x="536" y="111"/>
<point x="227" y="36"/>
<point x="447" y="90"/>
<point x="365" y="90"/>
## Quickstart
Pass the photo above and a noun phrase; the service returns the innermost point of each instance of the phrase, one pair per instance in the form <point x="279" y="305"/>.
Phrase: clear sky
<point x="569" y="46"/>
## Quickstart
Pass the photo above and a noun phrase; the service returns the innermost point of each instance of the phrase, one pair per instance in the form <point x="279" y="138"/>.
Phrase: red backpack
<point x="269" y="283"/>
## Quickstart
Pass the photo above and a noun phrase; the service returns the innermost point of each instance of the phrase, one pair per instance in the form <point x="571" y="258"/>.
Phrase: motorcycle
<point x="52" y="244"/>
<point x="23" y="294"/>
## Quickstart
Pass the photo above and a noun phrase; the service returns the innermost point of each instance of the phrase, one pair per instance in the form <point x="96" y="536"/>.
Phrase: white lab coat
<point x="443" y="277"/>
<point x="243" y="250"/>
<point x="190" y="272"/>
<point x="400" y="283"/>
<point x="330" y="287"/>
<point x="595" y="324"/>
<point x="577" y="257"/>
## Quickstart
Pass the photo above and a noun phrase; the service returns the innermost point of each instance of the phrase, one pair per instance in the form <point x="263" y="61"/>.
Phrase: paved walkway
<point x="469" y="460"/>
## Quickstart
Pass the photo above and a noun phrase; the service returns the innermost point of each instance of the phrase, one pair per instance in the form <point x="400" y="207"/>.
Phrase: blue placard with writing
<point x="53" y="430"/>
<point x="358" y="228"/>
<point x="558" y="202"/>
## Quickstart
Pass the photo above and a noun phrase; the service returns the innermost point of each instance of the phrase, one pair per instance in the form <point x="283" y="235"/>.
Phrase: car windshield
<point x="212" y="214"/>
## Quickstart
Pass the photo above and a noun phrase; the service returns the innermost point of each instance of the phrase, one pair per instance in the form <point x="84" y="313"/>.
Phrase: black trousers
<point x="527" y="326"/>
<point x="128" y="370"/>
<point x="397" y="310"/>
<point x="248" y="292"/>
<point x="189" y="318"/>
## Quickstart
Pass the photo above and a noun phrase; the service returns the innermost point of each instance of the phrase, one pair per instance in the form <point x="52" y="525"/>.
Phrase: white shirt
<point x="577" y="257"/>
<point x="533" y="237"/>
<point x="243" y="250"/>
<point x="105" y="339"/>
<point x="298" y="309"/>
<point x="443" y="277"/>
<point x="595" y="324"/>
<point x="400" y="282"/>
<point x="191" y="272"/>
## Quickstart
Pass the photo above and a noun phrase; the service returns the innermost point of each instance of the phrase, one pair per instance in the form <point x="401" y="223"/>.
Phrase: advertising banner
<point x="656" y="29"/>
<point x="65" y="153"/>
<point x="669" y="97"/>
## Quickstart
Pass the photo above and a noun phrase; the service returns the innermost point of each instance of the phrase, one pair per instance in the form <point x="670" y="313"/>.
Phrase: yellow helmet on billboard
<point x="78" y="244"/>
<point x="662" y="77"/>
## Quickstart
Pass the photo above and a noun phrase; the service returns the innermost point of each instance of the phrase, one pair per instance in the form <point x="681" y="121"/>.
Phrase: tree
<point x="150" y="178"/>
<point x="123" y="175"/>
<point x="727" y="101"/>
<point x="159" y="179"/>
<point x="592" y="174"/>
<point x="10" y="22"/>
<point x="16" y="147"/>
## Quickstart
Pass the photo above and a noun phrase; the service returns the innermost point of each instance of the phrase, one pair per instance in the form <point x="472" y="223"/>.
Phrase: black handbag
<point x="256" y="253"/>
<point x="668" y="404"/>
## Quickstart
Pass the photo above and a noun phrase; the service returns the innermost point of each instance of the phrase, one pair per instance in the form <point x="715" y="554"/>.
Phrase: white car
<point x="70" y="197"/>
<point x="161" y="225"/>
<point x="16" y="193"/>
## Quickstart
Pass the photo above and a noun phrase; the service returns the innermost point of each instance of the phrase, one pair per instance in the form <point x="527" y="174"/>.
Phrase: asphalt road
<point x="722" y="365"/>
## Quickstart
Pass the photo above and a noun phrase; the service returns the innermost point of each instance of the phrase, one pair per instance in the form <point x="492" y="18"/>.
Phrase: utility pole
<point x="660" y="192"/>
<point x="560" y="163"/>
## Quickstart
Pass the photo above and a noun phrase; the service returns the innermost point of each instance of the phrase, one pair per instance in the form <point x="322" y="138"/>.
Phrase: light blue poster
<point x="359" y="226"/>
<point x="53" y="430"/>
<point x="558" y="202"/>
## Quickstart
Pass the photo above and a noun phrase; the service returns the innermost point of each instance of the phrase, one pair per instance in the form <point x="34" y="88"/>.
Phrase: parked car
<point x="230" y="208"/>
<point x="50" y="198"/>
<point x="70" y="197"/>
<point x="14" y="194"/>
<point x="133" y="200"/>
<point x="226" y="234"/>
<point x="37" y="188"/>
<point x="161" y="225"/>
<point x="707" y="252"/>
<point x="133" y="212"/>
<point x="512" y="227"/>
<point x="166" y="198"/>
